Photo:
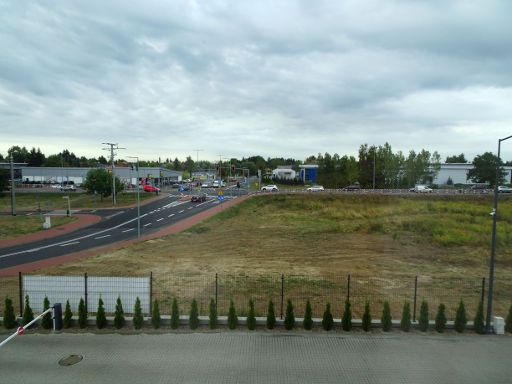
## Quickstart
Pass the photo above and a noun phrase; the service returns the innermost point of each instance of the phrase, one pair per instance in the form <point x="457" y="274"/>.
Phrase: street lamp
<point x="138" y="197"/>
<point x="494" y="214"/>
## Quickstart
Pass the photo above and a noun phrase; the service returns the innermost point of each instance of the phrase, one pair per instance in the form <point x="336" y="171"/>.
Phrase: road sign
<point x="221" y="197"/>
<point x="220" y="192"/>
<point x="20" y="330"/>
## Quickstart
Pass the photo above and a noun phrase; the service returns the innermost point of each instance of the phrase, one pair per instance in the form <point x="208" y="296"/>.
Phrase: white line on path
<point x="73" y="243"/>
<point x="101" y="237"/>
<point x="128" y="230"/>
<point x="147" y="224"/>
<point x="160" y="219"/>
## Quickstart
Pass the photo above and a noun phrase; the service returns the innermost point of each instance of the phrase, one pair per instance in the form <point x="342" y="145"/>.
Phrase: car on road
<point x="352" y="187"/>
<point x="68" y="188"/>
<point x="205" y="185"/>
<point x="420" y="188"/>
<point x="199" y="198"/>
<point x="270" y="188"/>
<point x="151" y="188"/>
<point x="504" y="189"/>
<point x="316" y="188"/>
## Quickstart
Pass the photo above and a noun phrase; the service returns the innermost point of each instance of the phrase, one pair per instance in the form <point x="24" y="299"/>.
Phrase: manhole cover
<point x="70" y="360"/>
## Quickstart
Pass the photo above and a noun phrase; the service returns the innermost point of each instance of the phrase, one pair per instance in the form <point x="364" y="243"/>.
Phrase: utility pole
<point x="197" y="154"/>
<point x="374" y="150"/>
<point x="138" y="197"/>
<point x="13" y="194"/>
<point x="112" y="154"/>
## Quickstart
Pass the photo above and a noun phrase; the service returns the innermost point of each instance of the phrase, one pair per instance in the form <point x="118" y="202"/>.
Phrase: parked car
<point x="198" y="198"/>
<point x="352" y="187"/>
<point x="315" y="188"/>
<point x="205" y="185"/>
<point x="420" y="188"/>
<point x="271" y="188"/>
<point x="68" y="188"/>
<point x="504" y="189"/>
<point x="151" y="188"/>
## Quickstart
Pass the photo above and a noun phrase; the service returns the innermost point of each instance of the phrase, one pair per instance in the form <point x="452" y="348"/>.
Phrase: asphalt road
<point x="117" y="226"/>
<point x="259" y="357"/>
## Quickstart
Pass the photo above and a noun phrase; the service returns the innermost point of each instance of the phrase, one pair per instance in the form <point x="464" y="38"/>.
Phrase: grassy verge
<point x="13" y="226"/>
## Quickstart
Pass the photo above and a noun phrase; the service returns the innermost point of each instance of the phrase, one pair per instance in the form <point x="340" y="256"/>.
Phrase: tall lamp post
<point x="138" y="197"/>
<point x="493" y="241"/>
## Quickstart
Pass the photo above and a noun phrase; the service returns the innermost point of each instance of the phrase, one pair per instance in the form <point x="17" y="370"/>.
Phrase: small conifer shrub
<point x="67" y="322"/>
<point x="232" y="317"/>
<point x="479" y="319"/>
<point x="193" y="319"/>
<point x="9" y="317"/>
<point x="155" y="316"/>
<point x="28" y="315"/>
<point x="119" y="314"/>
<point x="367" y="317"/>
<point x="251" y="317"/>
<point x="101" y="319"/>
<point x="327" y="320"/>
<point x="460" y="318"/>
<point x="82" y="314"/>
<point x="346" y="321"/>
<point x="213" y="315"/>
<point x="508" y="321"/>
<point x="175" y="314"/>
<point x="440" y="322"/>
<point x="138" y="318"/>
<point x="423" y="320"/>
<point x="289" y="318"/>
<point x="46" y="321"/>
<point x="308" y="316"/>
<point x="385" y="319"/>
<point x="405" y="322"/>
<point x="271" y="316"/>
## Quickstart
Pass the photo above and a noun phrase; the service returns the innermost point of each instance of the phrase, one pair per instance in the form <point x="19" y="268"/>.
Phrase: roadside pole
<point x="13" y="194"/>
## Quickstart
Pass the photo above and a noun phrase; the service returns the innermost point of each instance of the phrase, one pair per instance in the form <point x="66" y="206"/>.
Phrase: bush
<point x="423" y="320"/>
<point x="460" y="318"/>
<point x="308" y="317"/>
<point x="155" y="316"/>
<point x="289" y="317"/>
<point x="346" y="321"/>
<point x="82" y="314"/>
<point x="440" y="318"/>
<point x="508" y="321"/>
<point x="9" y="317"/>
<point x="479" y="319"/>
<point x="175" y="314"/>
<point x="67" y="322"/>
<point x="213" y="314"/>
<point x="385" y="320"/>
<point x="232" y="317"/>
<point x="193" y="319"/>
<point x="46" y="321"/>
<point x="327" y="320"/>
<point x="119" y="314"/>
<point x="367" y="317"/>
<point x="271" y="316"/>
<point x="28" y="315"/>
<point x="405" y="323"/>
<point x="251" y="317"/>
<point x="101" y="319"/>
<point x="138" y="319"/>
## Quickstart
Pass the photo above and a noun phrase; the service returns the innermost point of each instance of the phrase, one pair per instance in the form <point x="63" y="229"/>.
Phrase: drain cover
<point x="70" y="360"/>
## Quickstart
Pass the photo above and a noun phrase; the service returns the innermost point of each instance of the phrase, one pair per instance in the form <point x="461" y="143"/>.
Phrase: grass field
<point x="316" y="241"/>
<point x="21" y="225"/>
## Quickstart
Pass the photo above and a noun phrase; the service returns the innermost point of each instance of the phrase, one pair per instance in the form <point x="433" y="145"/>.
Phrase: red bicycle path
<point x="86" y="220"/>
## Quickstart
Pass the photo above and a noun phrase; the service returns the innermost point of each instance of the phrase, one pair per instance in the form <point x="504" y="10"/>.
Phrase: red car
<point x="150" y="188"/>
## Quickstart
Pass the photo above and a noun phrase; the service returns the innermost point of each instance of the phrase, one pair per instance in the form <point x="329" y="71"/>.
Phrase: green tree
<point x="484" y="169"/>
<point x="385" y="319"/>
<point x="289" y="318"/>
<point x="327" y="320"/>
<point x="456" y="159"/>
<point x="346" y="321"/>
<point x="193" y="319"/>
<point x="175" y="314"/>
<point x="232" y="317"/>
<point x="440" y="322"/>
<point x="308" y="316"/>
<point x="508" y="321"/>
<point x="100" y="181"/>
<point x="4" y="180"/>
<point x="35" y="158"/>
<point x="9" y="317"/>
<point x="155" y="315"/>
<point x="19" y="154"/>
<point x="251" y="316"/>
<point x="82" y="314"/>
<point x="479" y="319"/>
<point x="423" y="320"/>
<point x="405" y="322"/>
<point x="28" y="315"/>
<point x="138" y="318"/>
<point x="46" y="321"/>
<point x="68" y="316"/>
<point x="271" y="316"/>
<point x="119" y="314"/>
<point x="213" y="314"/>
<point x="367" y="317"/>
<point x="460" y="318"/>
<point x="101" y="318"/>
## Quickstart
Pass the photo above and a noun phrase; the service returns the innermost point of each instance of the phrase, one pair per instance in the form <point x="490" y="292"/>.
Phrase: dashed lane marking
<point x="160" y="219"/>
<point x="181" y="211"/>
<point x="73" y="243"/>
<point x="128" y="230"/>
<point x="171" y="215"/>
<point x="147" y="224"/>
<point x="101" y="237"/>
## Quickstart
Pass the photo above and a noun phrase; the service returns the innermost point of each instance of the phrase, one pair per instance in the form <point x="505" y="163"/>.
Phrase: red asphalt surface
<point x="85" y="220"/>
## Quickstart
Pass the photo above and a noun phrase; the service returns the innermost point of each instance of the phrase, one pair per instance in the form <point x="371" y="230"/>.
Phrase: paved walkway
<point x="242" y="357"/>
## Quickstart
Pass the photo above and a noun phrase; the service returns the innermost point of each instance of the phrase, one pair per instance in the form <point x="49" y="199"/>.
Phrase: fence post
<point x="282" y="294"/>
<point x="483" y="290"/>
<point x="20" y="283"/>
<point x="151" y="293"/>
<point x="415" y="296"/>
<point x="216" y="289"/>
<point x="348" y="287"/>
<point x="85" y="293"/>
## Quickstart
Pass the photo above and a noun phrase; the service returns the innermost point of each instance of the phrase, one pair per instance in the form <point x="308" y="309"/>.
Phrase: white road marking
<point x="171" y="215"/>
<point x="101" y="237"/>
<point x="160" y="219"/>
<point x="206" y="202"/>
<point x="73" y="243"/>
<point x="115" y="214"/>
<point x="128" y="230"/>
<point x="147" y="224"/>
<point x="190" y="207"/>
<point x="181" y="211"/>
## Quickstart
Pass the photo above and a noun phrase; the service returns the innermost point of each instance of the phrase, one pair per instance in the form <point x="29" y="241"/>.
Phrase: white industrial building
<point x="284" y="172"/>
<point x="458" y="173"/>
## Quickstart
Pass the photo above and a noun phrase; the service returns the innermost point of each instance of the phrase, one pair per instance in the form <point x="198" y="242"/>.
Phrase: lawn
<point x="21" y="225"/>
<point x="316" y="241"/>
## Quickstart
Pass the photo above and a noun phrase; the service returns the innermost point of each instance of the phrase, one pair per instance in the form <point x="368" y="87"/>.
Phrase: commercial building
<point x="284" y="172"/>
<point x="458" y="174"/>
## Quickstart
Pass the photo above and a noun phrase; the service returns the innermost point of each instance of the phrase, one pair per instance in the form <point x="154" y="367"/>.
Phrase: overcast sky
<point x="240" y="78"/>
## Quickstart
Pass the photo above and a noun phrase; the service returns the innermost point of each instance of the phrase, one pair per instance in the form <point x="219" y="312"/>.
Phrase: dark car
<point x="352" y="187"/>
<point x="198" y="198"/>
